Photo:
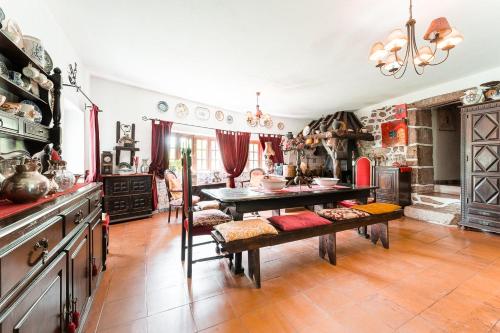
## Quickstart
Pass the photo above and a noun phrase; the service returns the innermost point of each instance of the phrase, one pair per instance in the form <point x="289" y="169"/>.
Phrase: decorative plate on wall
<point x="162" y="106"/>
<point x="202" y="113"/>
<point x="281" y="126"/>
<point x="269" y="123"/>
<point x="181" y="110"/>
<point x="219" y="115"/>
<point x="229" y="119"/>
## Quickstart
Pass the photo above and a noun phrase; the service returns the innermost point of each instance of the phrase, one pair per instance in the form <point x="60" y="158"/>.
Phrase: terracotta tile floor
<point x="433" y="279"/>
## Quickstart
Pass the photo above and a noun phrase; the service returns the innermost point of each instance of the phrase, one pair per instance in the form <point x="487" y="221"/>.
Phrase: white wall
<point x="34" y="18"/>
<point x="127" y="104"/>
<point x="448" y="87"/>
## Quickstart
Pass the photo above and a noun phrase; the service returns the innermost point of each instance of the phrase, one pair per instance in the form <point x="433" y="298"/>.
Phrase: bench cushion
<point x="209" y="204"/>
<point x="298" y="221"/>
<point x="340" y="214"/>
<point x="377" y="208"/>
<point x="236" y="230"/>
<point x="209" y="217"/>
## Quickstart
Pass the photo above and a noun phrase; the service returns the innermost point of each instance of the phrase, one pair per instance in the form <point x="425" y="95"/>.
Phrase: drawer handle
<point x="96" y="202"/>
<point x="40" y="131"/>
<point x="42" y="244"/>
<point x="79" y="217"/>
<point x="1" y="122"/>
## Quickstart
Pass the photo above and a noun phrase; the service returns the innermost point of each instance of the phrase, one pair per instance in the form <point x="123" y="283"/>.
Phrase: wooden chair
<point x="255" y="177"/>
<point x="175" y="195"/>
<point x="189" y="229"/>
<point x="363" y="176"/>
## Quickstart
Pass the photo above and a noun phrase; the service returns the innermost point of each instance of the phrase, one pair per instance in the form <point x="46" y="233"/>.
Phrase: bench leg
<point x="332" y="248"/>
<point x="254" y="266"/>
<point x="238" y="267"/>
<point x="380" y="231"/>
<point x="322" y="245"/>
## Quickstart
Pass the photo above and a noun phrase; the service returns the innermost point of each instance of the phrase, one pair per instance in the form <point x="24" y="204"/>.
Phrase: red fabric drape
<point x="275" y="142"/>
<point x="160" y="133"/>
<point x="95" y="158"/>
<point x="234" y="152"/>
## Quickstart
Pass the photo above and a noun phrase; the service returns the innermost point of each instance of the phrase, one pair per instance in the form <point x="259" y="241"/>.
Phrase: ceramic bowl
<point x="326" y="182"/>
<point x="273" y="184"/>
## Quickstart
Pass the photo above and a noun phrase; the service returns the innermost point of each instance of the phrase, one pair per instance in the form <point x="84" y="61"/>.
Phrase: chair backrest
<point x="169" y="174"/>
<point x="256" y="176"/>
<point x="187" y="202"/>
<point x="363" y="172"/>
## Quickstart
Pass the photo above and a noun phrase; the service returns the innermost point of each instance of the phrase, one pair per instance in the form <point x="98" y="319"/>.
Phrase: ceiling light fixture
<point x="263" y="119"/>
<point x="440" y="34"/>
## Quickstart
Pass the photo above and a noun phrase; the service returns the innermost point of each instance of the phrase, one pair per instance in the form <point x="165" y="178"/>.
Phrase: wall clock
<point x="162" y="106"/>
<point x="106" y="163"/>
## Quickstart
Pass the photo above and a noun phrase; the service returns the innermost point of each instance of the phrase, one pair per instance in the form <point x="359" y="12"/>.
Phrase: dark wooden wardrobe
<point x="481" y="166"/>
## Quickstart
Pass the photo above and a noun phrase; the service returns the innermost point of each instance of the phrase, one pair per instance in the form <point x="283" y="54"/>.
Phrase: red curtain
<point x="275" y="142"/>
<point x="160" y="134"/>
<point x="94" y="173"/>
<point x="234" y="152"/>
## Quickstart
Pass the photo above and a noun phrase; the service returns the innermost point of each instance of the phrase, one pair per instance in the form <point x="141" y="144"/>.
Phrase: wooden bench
<point x="327" y="239"/>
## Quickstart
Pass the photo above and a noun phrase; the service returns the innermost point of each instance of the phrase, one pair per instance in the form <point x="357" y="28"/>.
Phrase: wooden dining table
<point x="238" y="201"/>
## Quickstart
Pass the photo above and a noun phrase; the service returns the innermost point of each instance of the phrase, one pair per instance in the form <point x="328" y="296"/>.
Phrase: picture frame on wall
<point x="394" y="133"/>
<point x="400" y="111"/>
<point x="446" y="121"/>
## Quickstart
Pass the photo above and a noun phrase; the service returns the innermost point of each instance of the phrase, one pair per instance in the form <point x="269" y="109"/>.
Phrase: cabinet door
<point x="79" y="271"/>
<point x="140" y="184"/>
<point x="387" y="182"/>
<point x="117" y="205"/>
<point x="96" y="249"/>
<point x="116" y="185"/>
<point x="41" y="307"/>
<point x="482" y="169"/>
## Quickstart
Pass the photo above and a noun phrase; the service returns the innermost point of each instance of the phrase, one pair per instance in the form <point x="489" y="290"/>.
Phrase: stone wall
<point x="418" y="153"/>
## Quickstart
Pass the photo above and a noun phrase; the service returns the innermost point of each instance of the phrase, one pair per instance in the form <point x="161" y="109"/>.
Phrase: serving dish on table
<point x="326" y="182"/>
<point x="273" y="183"/>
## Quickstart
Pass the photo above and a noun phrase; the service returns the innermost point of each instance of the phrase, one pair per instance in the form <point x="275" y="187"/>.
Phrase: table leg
<point x="364" y="230"/>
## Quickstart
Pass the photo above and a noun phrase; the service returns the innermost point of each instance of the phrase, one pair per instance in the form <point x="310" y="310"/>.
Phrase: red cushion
<point x="198" y="230"/>
<point x="348" y="203"/>
<point x="298" y="221"/>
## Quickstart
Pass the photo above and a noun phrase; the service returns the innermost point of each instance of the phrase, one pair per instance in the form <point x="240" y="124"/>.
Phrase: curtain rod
<point x="79" y="89"/>
<point x="205" y="127"/>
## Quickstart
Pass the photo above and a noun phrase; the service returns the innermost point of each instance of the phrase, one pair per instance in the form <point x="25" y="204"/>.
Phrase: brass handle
<point x="96" y="202"/>
<point x="40" y="131"/>
<point x="43" y="244"/>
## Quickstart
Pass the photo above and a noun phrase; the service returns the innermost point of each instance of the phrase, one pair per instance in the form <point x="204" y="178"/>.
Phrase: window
<point x="201" y="154"/>
<point x="254" y="156"/>
<point x="216" y="160"/>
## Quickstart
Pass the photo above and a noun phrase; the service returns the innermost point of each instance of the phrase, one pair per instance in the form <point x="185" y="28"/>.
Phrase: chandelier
<point x="440" y="35"/>
<point x="263" y="119"/>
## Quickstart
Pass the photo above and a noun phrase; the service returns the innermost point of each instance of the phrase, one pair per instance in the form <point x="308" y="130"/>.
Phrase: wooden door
<point x="482" y="169"/>
<point x="79" y="271"/>
<point x="41" y="307"/>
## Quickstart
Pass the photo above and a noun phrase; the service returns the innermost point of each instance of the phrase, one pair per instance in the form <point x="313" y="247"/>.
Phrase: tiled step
<point x="436" y="200"/>
<point x="449" y="215"/>
<point x="447" y="189"/>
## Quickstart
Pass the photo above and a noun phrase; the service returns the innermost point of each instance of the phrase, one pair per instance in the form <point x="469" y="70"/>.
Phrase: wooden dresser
<point x="394" y="186"/>
<point x="128" y="197"/>
<point x="481" y="166"/>
<point x="51" y="260"/>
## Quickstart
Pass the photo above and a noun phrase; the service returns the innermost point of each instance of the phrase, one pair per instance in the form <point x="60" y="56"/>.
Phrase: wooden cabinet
<point x="47" y="265"/>
<point x="41" y="306"/>
<point x="394" y="186"/>
<point x="481" y="166"/>
<point x="128" y="197"/>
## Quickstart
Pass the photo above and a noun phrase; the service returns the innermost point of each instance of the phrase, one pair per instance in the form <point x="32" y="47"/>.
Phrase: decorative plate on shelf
<point x="37" y="113"/>
<point x="202" y="113"/>
<point x="162" y="106"/>
<point x="229" y="119"/>
<point x="2" y="15"/>
<point x="181" y="110"/>
<point x="281" y="126"/>
<point x="49" y="65"/>
<point x="12" y="30"/>
<point x="219" y="115"/>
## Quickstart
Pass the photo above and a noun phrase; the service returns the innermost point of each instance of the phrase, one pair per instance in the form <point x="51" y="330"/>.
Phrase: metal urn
<point x="26" y="184"/>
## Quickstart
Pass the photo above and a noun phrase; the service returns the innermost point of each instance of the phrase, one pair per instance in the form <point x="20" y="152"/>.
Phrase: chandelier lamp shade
<point x="399" y="50"/>
<point x="261" y="118"/>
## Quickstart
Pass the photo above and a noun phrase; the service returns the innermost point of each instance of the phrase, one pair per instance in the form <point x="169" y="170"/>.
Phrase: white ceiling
<point x="307" y="57"/>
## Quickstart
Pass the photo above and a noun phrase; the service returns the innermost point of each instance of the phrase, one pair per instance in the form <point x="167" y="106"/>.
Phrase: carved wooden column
<point x="55" y="132"/>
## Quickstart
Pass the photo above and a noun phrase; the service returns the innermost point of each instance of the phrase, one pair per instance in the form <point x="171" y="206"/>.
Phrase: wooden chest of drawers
<point x="51" y="258"/>
<point x="128" y="197"/>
